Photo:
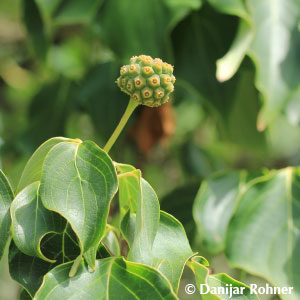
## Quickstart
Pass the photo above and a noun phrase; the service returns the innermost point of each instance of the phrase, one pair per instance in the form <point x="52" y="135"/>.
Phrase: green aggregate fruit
<point x="147" y="81"/>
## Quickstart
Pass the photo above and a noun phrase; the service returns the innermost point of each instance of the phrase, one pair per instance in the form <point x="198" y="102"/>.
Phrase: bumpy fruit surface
<point x="147" y="81"/>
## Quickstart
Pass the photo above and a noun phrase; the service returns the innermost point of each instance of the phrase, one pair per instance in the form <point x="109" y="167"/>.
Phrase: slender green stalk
<point x="128" y="112"/>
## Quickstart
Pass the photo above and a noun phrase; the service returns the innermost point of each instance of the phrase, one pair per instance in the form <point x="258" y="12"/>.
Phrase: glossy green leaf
<point x="146" y="226"/>
<point x="6" y="197"/>
<point x="31" y="221"/>
<point x="78" y="181"/>
<point x="33" y="169"/>
<point x="172" y="248"/>
<point x="35" y="28"/>
<point x="153" y="235"/>
<point x="198" y="266"/>
<point x="263" y="236"/>
<point x="214" y="206"/>
<point x="114" y="278"/>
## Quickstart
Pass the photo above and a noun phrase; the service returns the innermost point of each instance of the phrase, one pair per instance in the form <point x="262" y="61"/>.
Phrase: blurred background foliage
<point x="236" y="104"/>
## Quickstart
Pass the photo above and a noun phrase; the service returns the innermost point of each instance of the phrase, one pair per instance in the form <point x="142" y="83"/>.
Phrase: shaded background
<point x="236" y="103"/>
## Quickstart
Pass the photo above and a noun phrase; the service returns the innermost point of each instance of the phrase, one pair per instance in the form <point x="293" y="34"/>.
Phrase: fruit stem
<point x="132" y="105"/>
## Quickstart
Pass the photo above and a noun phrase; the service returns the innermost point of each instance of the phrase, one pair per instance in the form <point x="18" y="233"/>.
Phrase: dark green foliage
<point x="235" y="106"/>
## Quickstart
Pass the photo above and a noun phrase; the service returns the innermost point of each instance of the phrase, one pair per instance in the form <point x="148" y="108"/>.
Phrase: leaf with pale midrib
<point x="6" y="197"/>
<point x="114" y="278"/>
<point x="172" y="247"/>
<point x="78" y="181"/>
<point x="147" y="222"/>
<point x="153" y="236"/>
<point x="167" y="256"/>
<point x="136" y="195"/>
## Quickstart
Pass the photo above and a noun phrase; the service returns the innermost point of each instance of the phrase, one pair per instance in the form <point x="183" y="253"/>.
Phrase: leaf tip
<point x="77" y="141"/>
<point x="224" y="70"/>
<point x="75" y="266"/>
